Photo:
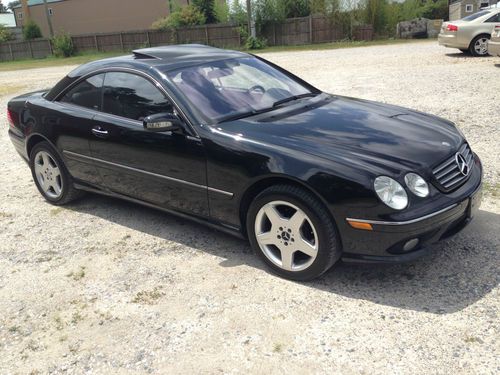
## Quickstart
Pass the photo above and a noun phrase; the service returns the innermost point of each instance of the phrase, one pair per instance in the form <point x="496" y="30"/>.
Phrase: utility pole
<point x="49" y="20"/>
<point x="251" y="23"/>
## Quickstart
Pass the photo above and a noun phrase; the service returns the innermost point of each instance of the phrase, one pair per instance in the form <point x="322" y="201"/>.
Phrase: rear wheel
<point x="51" y="176"/>
<point x="479" y="45"/>
<point x="293" y="232"/>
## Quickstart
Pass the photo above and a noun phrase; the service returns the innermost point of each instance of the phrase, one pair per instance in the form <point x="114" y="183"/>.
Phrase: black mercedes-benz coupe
<point x="238" y="143"/>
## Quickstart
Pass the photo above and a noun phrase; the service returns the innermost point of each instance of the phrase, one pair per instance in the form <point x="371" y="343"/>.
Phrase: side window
<point x="131" y="96"/>
<point x="87" y="93"/>
<point x="495" y="18"/>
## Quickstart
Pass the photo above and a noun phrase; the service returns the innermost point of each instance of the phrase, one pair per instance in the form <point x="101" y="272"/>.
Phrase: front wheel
<point x="479" y="45"/>
<point x="293" y="232"/>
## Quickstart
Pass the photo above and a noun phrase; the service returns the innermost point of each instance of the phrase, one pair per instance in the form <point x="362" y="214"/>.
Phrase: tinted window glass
<point x="128" y="95"/>
<point x="87" y="93"/>
<point x="495" y="18"/>
<point x="474" y="16"/>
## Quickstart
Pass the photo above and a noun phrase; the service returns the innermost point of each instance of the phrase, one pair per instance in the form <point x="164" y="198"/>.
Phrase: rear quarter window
<point x="86" y="94"/>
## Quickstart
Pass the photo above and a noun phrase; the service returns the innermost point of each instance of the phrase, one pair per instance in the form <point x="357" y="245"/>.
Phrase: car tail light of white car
<point x="496" y="32"/>
<point x="451" y="27"/>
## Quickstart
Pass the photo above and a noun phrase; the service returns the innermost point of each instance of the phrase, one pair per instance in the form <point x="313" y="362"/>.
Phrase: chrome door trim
<point x="418" y="219"/>
<point x="74" y="155"/>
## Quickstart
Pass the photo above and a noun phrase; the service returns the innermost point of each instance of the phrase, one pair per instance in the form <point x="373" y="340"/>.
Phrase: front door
<point x="167" y="169"/>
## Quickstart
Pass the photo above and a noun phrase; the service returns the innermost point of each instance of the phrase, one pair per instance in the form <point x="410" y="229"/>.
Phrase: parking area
<point x="107" y="286"/>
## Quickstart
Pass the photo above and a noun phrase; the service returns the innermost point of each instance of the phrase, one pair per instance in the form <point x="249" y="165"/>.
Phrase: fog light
<point x="411" y="244"/>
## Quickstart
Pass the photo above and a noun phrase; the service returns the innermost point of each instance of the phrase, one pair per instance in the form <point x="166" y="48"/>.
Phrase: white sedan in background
<point x="470" y="34"/>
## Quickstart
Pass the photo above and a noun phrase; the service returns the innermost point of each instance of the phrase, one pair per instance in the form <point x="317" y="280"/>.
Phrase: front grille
<point x="448" y="175"/>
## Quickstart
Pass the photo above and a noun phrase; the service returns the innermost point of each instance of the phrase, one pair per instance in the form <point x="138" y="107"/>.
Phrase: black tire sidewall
<point x="66" y="181"/>
<point x="329" y="251"/>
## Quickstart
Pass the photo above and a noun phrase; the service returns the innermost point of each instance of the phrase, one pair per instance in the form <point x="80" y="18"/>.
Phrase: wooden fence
<point x="220" y="35"/>
<point x="291" y="32"/>
<point x="312" y="29"/>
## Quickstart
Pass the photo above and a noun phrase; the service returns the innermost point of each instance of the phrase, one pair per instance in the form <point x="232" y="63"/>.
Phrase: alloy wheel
<point x="48" y="174"/>
<point x="481" y="46"/>
<point x="286" y="236"/>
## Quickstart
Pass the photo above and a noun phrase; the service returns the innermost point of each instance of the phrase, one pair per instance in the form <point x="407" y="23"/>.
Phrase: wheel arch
<point x="260" y="185"/>
<point x="34" y="139"/>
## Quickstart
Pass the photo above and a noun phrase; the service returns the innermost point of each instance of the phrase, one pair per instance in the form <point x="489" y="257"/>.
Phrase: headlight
<point x="417" y="185"/>
<point x="391" y="192"/>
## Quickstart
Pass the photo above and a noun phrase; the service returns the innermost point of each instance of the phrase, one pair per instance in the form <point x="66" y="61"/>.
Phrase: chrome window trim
<point x="73" y="155"/>
<point x="378" y="222"/>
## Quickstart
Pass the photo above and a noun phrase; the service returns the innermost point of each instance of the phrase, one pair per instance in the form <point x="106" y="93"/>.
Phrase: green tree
<point x="13" y="4"/>
<point x="5" y="34"/>
<point x="3" y="8"/>
<point x="376" y="15"/>
<point x="237" y="13"/>
<point x="31" y="30"/>
<point x="207" y="8"/>
<point x="186" y="16"/>
<point x="221" y="9"/>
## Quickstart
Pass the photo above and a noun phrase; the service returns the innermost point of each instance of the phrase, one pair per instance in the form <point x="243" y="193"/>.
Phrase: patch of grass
<point x="338" y="45"/>
<point x="55" y="61"/>
<point x="59" y="323"/>
<point x="14" y="329"/>
<point x="4" y="214"/>
<point x="473" y="340"/>
<point x="76" y="317"/>
<point x="277" y="348"/>
<point x="56" y="211"/>
<point x="10" y="89"/>
<point x="77" y="275"/>
<point x="149" y="297"/>
<point x="91" y="56"/>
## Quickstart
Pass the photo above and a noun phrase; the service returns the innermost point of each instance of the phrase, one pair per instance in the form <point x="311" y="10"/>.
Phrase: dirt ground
<point x="103" y="286"/>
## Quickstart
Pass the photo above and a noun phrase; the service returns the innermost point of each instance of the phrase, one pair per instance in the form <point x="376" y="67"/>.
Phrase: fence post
<point x="11" y="53"/>
<point x="121" y="42"/>
<point x="96" y="43"/>
<point x="148" y="41"/>
<point x="51" y="51"/>
<point x="30" y="48"/>
<point x="274" y="33"/>
<point x="310" y="28"/>
<point x="206" y="35"/>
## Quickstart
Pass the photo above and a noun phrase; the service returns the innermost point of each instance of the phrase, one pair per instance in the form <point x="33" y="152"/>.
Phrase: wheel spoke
<point x="286" y="259"/>
<point x="297" y="220"/>
<point x="38" y="168"/>
<point x="306" y="247"/>
<point x="55" y="172"/>
<point x="272" y="214"/>
<point x="45" y="159"/>
<point x="267" y="238"/>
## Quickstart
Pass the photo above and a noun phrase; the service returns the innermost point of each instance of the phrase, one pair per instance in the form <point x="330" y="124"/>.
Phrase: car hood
<point x="376" y="135"/>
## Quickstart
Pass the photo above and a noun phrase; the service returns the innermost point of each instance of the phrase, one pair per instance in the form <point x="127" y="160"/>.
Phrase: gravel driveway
<point x="105" y="286"/>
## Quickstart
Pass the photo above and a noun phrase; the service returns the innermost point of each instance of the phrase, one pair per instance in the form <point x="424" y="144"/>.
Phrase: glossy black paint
<point x="331" y="145"/>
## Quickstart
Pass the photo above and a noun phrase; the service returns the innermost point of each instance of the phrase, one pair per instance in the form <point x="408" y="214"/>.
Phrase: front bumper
<point x="395" y="242"/>
<point x="494" y="47"/>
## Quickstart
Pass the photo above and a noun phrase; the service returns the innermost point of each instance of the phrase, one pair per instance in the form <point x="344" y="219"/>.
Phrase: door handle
<point x="99" y="132"/>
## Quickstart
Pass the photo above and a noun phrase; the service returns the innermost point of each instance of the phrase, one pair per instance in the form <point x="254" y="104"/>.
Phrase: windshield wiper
<point x="295" y="97"/>
<point x="241" y="115"/>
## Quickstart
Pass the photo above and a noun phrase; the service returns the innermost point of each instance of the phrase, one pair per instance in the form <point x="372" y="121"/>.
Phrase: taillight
<point x="450" y="27"/>
<point x="10" y="118"/>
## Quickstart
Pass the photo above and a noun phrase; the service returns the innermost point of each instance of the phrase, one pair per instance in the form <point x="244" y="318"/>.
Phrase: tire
<point x="283" y="219"/>
<point x="51" y="177"/>
<point x="478" y="47"/>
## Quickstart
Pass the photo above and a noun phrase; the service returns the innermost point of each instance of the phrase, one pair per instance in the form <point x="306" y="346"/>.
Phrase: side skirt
<point x="233" y="231"/>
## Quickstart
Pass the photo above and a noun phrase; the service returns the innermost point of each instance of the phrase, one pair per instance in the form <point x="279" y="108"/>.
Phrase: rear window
<point x="475" y="16"/>
<point x="87" y="93"/>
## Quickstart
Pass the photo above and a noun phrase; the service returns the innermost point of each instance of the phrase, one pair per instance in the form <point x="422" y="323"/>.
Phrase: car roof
<point x="163" y="58"/>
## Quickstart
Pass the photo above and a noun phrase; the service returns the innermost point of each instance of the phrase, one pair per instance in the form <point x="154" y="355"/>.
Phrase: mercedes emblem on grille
<point x="463" y="167"/>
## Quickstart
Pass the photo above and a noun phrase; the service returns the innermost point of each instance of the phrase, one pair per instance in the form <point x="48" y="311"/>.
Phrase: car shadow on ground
<point x="458" y="272"/>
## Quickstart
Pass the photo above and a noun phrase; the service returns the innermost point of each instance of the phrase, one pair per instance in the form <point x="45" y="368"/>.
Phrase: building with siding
<point x="93" y="16"/>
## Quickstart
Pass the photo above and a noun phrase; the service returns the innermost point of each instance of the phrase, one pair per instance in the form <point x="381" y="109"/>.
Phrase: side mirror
<point x="162" y="122"/>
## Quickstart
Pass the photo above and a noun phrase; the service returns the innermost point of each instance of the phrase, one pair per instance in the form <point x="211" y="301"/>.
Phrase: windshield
<point x="225" y="89"/>
<point x="474" y="16"/>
